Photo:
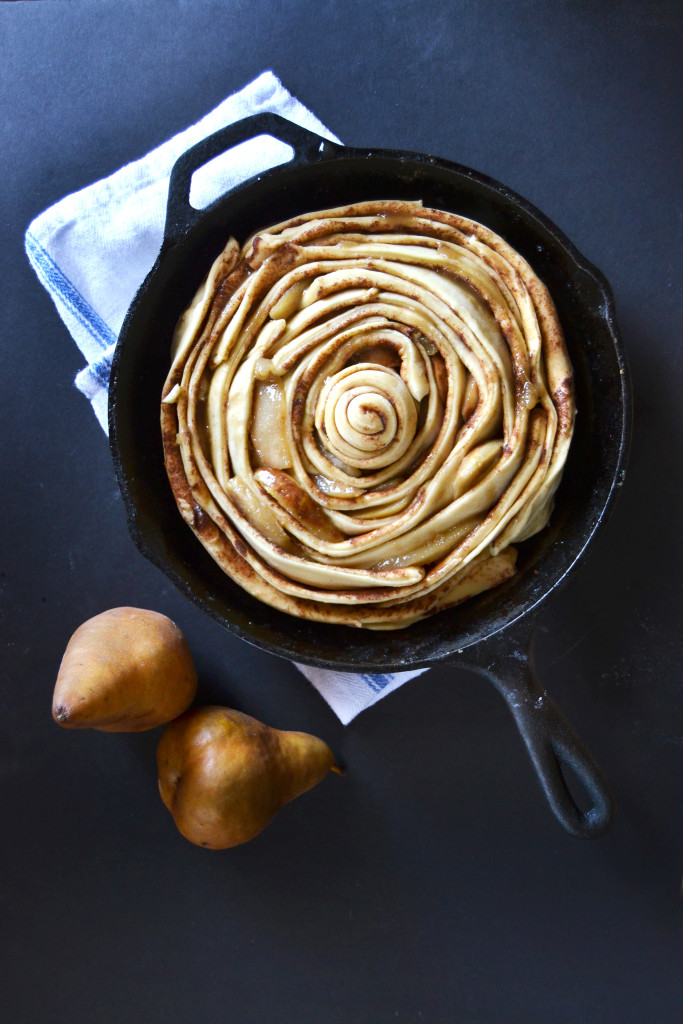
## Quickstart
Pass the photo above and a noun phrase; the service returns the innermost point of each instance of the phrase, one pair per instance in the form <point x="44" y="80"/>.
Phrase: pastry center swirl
<point x="366" y="416"/>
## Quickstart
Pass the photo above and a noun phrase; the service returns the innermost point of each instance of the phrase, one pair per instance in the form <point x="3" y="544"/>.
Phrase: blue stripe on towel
<point x="96" y="375"/>
<point x="377" y="682"/>
<point x="57" y="282"/>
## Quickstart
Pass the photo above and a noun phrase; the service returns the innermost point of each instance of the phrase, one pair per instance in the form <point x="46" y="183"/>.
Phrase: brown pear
<point x="125" y="670"/>
<point x="224" y="775"/>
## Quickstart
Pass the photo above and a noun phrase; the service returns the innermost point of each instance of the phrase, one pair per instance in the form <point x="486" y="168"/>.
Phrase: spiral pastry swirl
<point x="367" y="408"/>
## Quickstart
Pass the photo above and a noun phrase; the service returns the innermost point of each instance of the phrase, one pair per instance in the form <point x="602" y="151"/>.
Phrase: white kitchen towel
<point x="93" y="249"/>
<point x="348" y="693"/>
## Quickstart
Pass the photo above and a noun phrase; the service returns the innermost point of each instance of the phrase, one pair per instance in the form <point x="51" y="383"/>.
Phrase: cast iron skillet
<point x="492" y="633"/>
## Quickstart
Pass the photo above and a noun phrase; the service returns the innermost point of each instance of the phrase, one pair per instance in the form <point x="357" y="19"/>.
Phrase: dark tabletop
<point x="431" y="882"/>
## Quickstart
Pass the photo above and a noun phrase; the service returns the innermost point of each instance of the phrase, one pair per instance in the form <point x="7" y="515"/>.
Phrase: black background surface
<point x="430" y="883"/>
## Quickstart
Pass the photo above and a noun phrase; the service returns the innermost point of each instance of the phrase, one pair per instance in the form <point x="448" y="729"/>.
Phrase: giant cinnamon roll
<point x="367" y="408"/>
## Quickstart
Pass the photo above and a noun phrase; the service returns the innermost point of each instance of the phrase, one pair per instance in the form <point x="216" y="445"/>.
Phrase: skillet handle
<point x="180" y="215"/>
<point x="551" y="742"/>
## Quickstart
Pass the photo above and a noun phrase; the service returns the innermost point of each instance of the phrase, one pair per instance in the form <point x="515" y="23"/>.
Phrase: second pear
<point x="224" y="775"/>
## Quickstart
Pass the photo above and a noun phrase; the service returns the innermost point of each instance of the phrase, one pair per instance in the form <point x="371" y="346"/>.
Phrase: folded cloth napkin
<point x="93" y="249"/>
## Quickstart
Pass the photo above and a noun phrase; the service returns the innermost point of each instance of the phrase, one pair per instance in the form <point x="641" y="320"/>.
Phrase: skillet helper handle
<point x="551" y="742"/>
<point x="181" y="216"/>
